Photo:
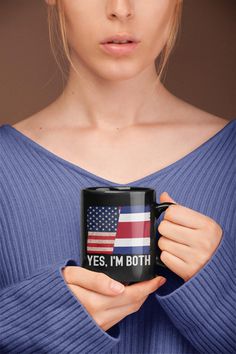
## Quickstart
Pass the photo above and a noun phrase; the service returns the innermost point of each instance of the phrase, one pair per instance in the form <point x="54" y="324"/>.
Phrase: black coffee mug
<point x="118" y="232"/>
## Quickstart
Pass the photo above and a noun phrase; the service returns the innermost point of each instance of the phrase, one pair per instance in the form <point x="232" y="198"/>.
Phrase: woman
<point x="116" y="124"/>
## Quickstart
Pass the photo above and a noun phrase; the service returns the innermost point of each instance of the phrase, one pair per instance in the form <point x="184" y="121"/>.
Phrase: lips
<point x="119" y="42"/>
<point x="119" y="49"/>
<point x="119" y="38"/>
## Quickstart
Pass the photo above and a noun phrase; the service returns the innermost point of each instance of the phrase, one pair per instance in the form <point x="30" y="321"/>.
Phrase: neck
<point x="90" y="101"/>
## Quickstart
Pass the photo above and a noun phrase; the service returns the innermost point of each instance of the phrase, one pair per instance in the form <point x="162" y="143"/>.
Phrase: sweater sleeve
<point x="203" y="308"/>
<point x="41" y="314"/>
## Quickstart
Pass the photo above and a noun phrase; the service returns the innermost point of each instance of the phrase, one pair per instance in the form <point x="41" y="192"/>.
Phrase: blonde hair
<point x="61" y="51"/>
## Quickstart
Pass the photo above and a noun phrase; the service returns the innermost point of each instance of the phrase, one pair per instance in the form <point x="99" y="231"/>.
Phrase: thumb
<point x="165" y="197"/>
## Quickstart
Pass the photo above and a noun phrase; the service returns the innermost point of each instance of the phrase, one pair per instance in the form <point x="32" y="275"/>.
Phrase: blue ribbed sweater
<point x="39" y="234"/>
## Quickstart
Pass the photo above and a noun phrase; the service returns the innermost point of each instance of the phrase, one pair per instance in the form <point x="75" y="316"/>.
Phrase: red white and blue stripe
<point x="119" y="230"/>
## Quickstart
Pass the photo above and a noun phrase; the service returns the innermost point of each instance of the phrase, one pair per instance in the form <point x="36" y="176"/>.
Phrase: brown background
<point x="201" y="70"/>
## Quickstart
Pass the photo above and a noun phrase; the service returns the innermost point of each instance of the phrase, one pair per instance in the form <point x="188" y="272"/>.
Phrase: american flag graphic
<point x="118" y="229"/>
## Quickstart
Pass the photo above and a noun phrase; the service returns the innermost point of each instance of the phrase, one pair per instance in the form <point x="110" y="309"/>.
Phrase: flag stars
<point x="102" y="218"/>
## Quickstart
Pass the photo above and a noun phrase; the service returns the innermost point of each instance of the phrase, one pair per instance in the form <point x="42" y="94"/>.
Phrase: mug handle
<point x="158" y="210"/>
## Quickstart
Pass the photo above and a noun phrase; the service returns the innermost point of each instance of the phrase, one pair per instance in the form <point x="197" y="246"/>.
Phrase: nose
<point x="121" y="9"/>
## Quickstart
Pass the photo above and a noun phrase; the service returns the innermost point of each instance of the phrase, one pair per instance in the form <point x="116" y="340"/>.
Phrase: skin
<point x="94" y="292"/>
<point x="113" y="102"/>
<point x="188" y="238"/>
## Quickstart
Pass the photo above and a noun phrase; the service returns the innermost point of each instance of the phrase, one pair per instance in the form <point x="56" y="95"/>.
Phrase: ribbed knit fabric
<point x="39" y="234"/>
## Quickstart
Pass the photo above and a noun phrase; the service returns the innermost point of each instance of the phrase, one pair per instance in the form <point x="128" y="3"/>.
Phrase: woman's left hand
<point x="188" y="238"/>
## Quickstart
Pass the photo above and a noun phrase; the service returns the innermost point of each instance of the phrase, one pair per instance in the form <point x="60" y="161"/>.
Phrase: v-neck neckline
<point x="104" y="180"/>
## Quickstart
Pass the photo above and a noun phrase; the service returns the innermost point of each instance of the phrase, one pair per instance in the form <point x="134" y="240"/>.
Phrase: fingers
<point x="144" y="288"/>
<point x="174" y="263"/>
<point x="177" y="233"/>
<point x="96" y="304"/>
<point x="135" y="292"/>
<point x="132" y="293"/>
<point x="91" y="300"/>
<point x="105" y="318"/>
<point x="184" y="216"/>
<point x="95" y="281"/>
<point x="178" y="249"/>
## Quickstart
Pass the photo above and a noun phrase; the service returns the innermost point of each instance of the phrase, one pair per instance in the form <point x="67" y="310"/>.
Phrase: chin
<point x="119" y="71"/>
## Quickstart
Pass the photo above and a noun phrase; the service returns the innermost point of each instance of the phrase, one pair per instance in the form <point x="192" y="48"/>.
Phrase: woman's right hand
<point x="105" y="304"/>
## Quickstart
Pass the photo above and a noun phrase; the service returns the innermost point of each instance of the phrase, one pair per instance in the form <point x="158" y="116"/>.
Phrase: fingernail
<point x="117" y="287"/>
<point x="162" y="281"/>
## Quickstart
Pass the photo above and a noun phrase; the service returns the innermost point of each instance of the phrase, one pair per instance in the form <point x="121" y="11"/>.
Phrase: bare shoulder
<point x="186" y="120"/>
<point x="26" y="125"/>
<point x="208" y="121"/>
<point x="36" y="125"/>
<point x="196" y="119"/>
